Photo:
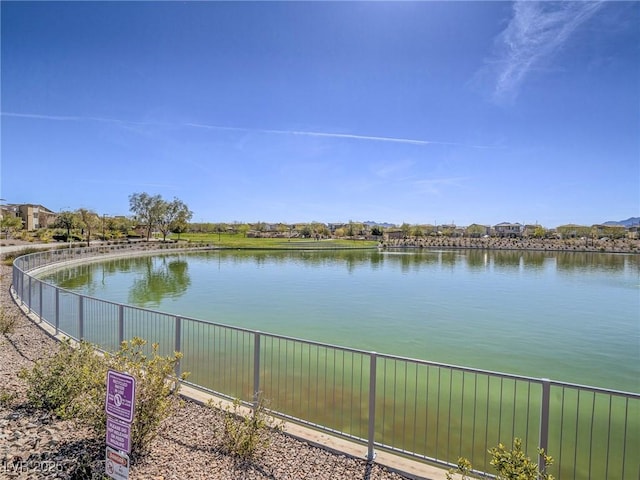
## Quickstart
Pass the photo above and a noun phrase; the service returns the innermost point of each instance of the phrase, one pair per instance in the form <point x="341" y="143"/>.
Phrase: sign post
<point x="119" y="435"/>
<point x="117" y="464"/>
<point x="120" y="408"/>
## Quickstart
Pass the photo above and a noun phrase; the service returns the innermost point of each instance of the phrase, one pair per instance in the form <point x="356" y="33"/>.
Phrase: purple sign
<point x="121" y="392"/>
<point x="119" y="435"/>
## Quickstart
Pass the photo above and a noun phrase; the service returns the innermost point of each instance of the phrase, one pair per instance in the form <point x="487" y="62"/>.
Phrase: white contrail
<point x="366" y="137"/>
<point x="69" y="118"/>
<point x="321" y="134"/>
<point x="348" y="136"/>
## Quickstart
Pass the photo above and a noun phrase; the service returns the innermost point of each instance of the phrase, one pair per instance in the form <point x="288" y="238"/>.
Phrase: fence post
<point x="120" y="324"/>
<point x="371" y="454"/>
<point x="178" y="343"/>
<point x="544" y="421"/>
<point x="256" y="368"/>
<point x="80" y="317"/>
<point x="40" y="300"/>
<point x="22" y="295"/>
<point x="29" y="294"/>
<point x="57" y="310"/>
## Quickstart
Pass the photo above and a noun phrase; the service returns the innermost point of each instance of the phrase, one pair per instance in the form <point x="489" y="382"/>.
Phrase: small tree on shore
<point x="154" y="211"/>
<point x="174" y="217"/>
<point x="476" y="231"/>
<point x="10" y="224"/>
<point x="66" y="220"/>
<point x="147" y="210"/>
<point x="88" y="221"/>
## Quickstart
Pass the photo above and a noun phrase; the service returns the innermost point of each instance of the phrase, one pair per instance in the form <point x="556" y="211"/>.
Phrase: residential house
<point x="34" y="216"/>
<point x="506" y="229"/>
<point x="533" y="230"/>
<point x="476" y="230"/>
<point x="449" y="230"/>
<point x="335" y="226"/>
<point x="609" y="231"/>
<point x="394" y="234"/>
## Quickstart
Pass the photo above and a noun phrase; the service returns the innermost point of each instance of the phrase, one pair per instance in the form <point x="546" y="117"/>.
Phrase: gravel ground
<point x="34" y="444"/>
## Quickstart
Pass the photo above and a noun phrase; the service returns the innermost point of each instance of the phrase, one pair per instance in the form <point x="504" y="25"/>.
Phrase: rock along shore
<point x="625" y="245"/>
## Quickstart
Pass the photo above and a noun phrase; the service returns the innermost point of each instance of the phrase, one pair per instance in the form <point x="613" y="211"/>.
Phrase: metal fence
<point x="424" y="410"/>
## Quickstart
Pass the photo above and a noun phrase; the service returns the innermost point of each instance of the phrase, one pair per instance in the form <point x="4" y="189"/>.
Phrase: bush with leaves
<point x="68" y="383"/>
<point x="245" y="434"/>
<point x="511" y="464"/>
<point x="7" y="322"/>
<point x="514" y="463"/>
<point x="7" y="397"/>
<point x="157" y="388"/>
<point x="72" y="385"/>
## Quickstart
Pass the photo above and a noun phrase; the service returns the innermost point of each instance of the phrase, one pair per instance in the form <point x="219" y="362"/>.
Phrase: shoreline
<point x="626" y="246"/>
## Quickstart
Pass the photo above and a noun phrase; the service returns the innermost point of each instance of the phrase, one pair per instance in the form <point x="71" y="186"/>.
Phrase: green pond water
<point x="572" y="317"/>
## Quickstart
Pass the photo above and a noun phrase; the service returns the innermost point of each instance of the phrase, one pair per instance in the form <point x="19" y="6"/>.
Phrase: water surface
<point x="572" y="317"/>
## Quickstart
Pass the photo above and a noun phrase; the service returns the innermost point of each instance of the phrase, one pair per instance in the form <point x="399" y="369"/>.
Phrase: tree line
<point x="154" y="213"/>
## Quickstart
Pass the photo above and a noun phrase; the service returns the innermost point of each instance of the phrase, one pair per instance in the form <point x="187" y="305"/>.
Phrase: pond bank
<point x="569" y="245"/>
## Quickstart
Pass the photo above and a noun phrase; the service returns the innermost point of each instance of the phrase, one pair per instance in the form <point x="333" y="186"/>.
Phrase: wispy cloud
<point x="347" y="136"/>
<point x="534" y="34"/>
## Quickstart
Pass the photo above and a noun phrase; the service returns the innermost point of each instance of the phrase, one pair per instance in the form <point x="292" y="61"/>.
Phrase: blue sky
<point x="415" y="112"/>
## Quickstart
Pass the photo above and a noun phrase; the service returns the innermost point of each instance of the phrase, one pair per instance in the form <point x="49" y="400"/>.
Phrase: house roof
<point x="41" y="207"/>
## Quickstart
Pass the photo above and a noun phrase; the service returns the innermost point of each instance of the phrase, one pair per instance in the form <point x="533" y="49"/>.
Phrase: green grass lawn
<point x="238" y="240"/>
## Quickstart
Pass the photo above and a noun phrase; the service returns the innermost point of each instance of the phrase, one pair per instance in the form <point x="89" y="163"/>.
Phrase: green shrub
<point x="7" y="322"/>
<point x="510" y="464"/>
<point x="245" y="434"/>
<point x="514" y="463"/>
<point x="7" y="398"/>
<point x="67" y="383"/>
<point x="8" y="258"/>
<point x="44" y="235"/>
<point x="72" y="385"/>
<point x="156" y="389"/>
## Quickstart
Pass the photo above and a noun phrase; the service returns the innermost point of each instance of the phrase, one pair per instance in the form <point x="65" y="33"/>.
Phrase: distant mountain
<point x="629" y="222"/>
<point x="371" y="223"/>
